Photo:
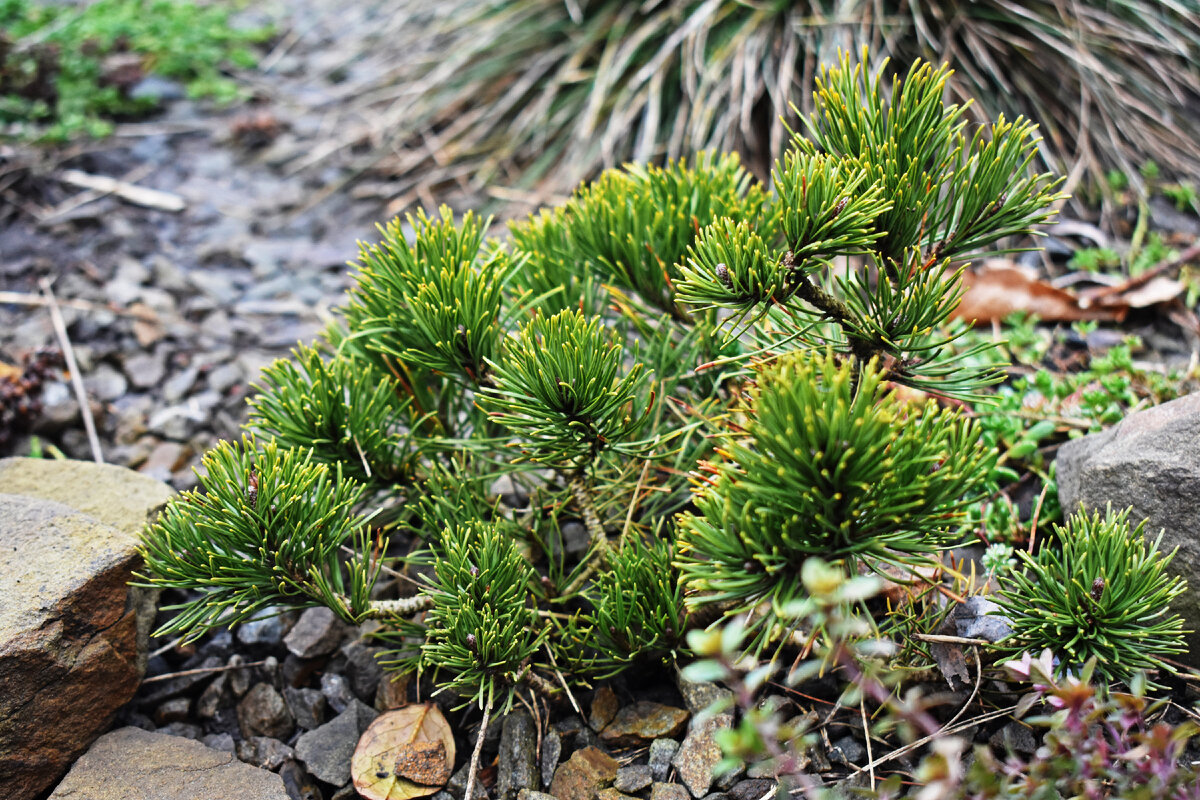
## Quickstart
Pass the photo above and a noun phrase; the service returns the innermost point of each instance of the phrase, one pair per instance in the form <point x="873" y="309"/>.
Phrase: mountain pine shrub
<point x="642" y="412"/>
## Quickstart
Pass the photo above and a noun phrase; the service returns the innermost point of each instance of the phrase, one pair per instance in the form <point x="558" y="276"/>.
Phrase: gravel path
<point x="172" y="314"/>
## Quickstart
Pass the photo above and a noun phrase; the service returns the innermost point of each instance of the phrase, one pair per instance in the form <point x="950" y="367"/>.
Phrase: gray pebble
<point x="551" y="752"/>
<point x="307" y="706"/>
<point x="336" y="691"/>
<point x="326" y="751"/>
<point x="318" y="632"/>
<point x="633" y="778"/>
<point x="661" y="753"/>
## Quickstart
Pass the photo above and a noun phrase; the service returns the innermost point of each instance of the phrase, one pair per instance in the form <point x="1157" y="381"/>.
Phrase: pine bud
<point x="723" y="273"/>
<point x="252" y="489"/>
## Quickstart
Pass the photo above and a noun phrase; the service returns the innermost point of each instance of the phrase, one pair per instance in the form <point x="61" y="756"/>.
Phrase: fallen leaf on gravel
<point x="405" y="753"/>
<point x="997" y="290"/>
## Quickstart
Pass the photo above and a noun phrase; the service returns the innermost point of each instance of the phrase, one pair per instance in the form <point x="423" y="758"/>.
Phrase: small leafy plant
<point x="56" y="77"/>
<point x="650" y="408"/>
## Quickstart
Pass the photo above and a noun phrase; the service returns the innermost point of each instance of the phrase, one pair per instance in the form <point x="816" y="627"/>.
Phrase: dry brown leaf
<point x="405" y="753"/>
<point x="1137" y="293"/>
<point x="995" y="291"/>
<point x="10" y="371"/>
<point x="952" y="664"/>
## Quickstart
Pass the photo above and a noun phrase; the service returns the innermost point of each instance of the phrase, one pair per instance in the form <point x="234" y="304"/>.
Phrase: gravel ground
<point x="171" y="315"/>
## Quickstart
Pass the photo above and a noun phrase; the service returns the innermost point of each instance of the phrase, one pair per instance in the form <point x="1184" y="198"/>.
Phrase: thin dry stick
<point x="862" y="711"/>
<point x="23" y="299"/>
<point x="937" y="637"/>
<point x="563" y="681"/>
<point x="469" y="792"/>
<point x="60" y="330"/>
<point x="201" y="671"/>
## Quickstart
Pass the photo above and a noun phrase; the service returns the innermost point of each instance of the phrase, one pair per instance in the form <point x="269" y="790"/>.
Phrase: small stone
<point x="326" y="751"/>
<point x="699" y="754"/>
<point x="700" y="696"/>
<point x="585" y="773"/>
<point x="105" y="383"/>
<point x="178" y="385"/>
<point x="604" y="708"/>
<point x="643" y="721"/>
<point x="307" y="706"/>
<point x="729" y="777"/>
<point x="551" y="752"/>
<point x="220" y="741"/>
<point x="569" y="725"/>
<point x="585" y="738"/>
<point x="1015" y="737"/>
<point x="186" y="730"/>
<point x="165" y="459"/>
<point x="975" y="619"/>
<point x="525" y="794"/>
<point x="336" y="691"/>
<point x="179" y="422"/>
<point x="146" y="370"/>
<point x="661" y="753"/>
<point x="716" y="796"/>
<point x="223" y="378"/>
<point x="392" y="691"/>
<point x="847" y="751"/>
<point x="265" y="627"/>
<point x="612" y="794"/>
<point x="265" y="752"/>
<point x="363" y="669"/>
<point x="298" y="783"/>
<point x="262" y="712"/>
<point x="633" y="778"/>
<point x="668" y="791"/>
<point x="239" y="679"/>
<point x="751" y="789"/>
<point x="59" y="408"/>
<point x="517" y="759"/>
<point x="172" y="711"/>
<point x="457" y="785"/>
<point x="318" y="632"/>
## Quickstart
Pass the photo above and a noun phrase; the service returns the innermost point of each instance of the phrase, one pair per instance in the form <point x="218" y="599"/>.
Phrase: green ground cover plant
<point x="57" y="73"/>
<point x="747" y="398"/>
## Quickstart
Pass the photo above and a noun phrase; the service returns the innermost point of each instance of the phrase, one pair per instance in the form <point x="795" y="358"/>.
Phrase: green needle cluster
<point x="1103" y="593"/>
<point x="649" y="407"/>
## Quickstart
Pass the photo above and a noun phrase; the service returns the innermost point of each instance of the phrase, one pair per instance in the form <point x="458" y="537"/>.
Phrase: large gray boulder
<point x="1151" y="462"/>
<point x="133" y="764"/>
<point x="72" y="632"/>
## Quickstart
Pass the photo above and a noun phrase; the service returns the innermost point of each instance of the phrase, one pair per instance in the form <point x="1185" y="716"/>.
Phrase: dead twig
<point x="24" y="299"/>
<point x="138" y="195"/>
<point x="85" y="409"/>
<point x="201" y="671"/>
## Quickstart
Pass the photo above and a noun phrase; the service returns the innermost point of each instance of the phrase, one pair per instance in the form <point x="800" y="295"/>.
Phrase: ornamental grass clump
<point x="521" y="90"/>
<point x="1102" y="595"/>
<point x="645" y="410"/>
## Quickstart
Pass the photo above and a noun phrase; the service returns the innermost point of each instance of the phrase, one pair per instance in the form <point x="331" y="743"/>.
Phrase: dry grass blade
<point x="526" y="90"/>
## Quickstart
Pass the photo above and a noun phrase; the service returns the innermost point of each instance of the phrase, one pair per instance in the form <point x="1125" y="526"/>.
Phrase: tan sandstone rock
<point x="133" y="764"/>
<point x="69" y="623"/>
